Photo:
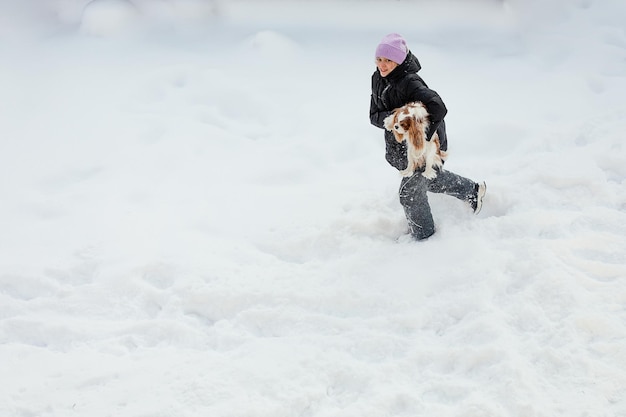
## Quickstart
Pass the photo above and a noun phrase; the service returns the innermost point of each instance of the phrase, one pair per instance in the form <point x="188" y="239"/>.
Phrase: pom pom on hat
<point x="393" y="47"/>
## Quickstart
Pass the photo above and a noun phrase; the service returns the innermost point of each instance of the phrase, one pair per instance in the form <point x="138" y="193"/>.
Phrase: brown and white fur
<point x="409" y="123"/>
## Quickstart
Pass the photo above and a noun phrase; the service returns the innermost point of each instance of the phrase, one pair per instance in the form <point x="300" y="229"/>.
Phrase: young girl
<point x="394" y="84"/>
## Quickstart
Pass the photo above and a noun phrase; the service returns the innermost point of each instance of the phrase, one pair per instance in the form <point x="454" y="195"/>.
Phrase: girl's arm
<point x="434" y="104"/>
<point x="377" y="116"/>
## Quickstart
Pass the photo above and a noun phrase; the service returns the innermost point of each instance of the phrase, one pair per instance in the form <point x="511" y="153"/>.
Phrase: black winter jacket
<point x="400" y="87"/>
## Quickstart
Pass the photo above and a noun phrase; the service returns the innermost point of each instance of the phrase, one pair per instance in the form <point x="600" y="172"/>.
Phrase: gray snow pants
<point x="415" y="201"/>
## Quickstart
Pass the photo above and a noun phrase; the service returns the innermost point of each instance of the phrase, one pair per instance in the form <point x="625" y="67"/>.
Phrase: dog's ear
<point x="416" y="133"/>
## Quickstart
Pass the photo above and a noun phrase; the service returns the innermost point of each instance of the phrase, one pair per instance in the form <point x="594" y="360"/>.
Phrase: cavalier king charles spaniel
<point x="409" y="123"/>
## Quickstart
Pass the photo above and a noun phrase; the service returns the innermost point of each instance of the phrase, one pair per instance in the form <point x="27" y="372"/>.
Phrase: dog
<point x="409" y="123"/>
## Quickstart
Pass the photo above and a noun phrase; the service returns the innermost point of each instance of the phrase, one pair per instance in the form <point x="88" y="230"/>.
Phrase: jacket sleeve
<point x="377" y="110"/>
<point x="434" y="104"/>
<point x="377" y="116"/>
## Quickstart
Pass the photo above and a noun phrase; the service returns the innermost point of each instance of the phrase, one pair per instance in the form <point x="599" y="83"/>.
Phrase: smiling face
<point x="385" y="66"/>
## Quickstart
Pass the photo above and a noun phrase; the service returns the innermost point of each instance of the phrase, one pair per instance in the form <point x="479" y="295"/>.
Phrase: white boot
<point x="477" y="201"/>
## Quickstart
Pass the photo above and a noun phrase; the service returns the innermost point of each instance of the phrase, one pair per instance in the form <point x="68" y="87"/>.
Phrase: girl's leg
<point x="414" y="199"/>
<point x="449" y="183"/>
<point x="416" y="208"/>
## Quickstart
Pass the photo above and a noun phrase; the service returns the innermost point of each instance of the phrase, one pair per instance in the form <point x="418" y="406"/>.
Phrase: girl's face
<point x="385" y="66"/>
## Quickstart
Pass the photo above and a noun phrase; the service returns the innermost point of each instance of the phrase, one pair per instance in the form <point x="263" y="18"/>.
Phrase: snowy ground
<point x="196" y="217"/>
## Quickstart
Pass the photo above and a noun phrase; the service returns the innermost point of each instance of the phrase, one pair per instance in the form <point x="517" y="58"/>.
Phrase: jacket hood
<point x="411" y="65"/>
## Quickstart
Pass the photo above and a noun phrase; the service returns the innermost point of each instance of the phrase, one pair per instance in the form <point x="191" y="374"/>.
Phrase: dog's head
<point x="410" y="119"/>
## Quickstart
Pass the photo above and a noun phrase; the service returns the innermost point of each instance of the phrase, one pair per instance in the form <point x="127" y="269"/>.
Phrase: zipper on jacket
<point x="382" y="95"/>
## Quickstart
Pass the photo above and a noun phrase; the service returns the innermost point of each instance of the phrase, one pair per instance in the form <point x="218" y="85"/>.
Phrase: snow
<point x="108" y="17"/>
<point x="197" y="218"/>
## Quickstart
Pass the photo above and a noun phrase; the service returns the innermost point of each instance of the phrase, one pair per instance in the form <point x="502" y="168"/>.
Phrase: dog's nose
<point x="396" y="126"/>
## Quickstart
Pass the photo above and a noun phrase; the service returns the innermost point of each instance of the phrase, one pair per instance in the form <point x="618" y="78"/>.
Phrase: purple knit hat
<point x="393" y="47"/>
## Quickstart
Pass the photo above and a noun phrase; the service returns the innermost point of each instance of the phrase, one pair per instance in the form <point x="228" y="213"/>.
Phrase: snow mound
<point x="108" y="17"/>
<point x="179" y="10"/>
<point x="272" y="45"/>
